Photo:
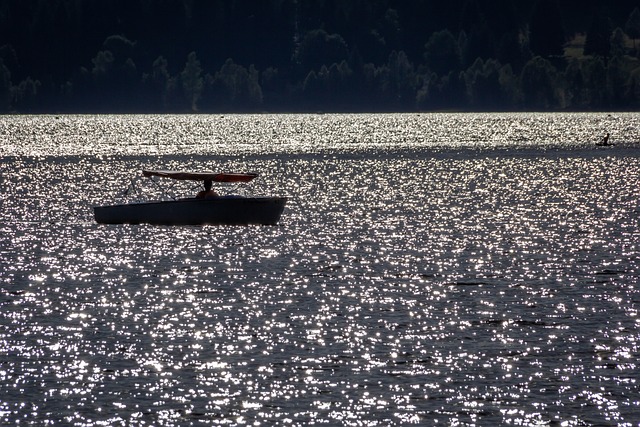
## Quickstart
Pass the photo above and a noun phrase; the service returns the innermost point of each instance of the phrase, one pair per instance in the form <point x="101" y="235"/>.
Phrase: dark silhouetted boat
<point x="221" y="210"/>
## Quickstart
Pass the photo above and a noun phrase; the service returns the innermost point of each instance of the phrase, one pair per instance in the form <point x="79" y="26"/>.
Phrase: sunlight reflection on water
<point x="260" y="134"/>
<point x="486" y="279"/>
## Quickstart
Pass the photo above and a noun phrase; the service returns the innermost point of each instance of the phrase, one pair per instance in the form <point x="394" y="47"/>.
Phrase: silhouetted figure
<point x="207" y="193"/>
<point x="605" y="141"/>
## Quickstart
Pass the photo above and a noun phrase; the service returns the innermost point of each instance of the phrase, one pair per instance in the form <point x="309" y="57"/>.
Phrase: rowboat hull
<point x="218" y="211"/>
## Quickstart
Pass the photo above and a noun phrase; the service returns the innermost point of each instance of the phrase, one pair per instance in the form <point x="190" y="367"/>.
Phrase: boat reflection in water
<point x="221" y="210"/>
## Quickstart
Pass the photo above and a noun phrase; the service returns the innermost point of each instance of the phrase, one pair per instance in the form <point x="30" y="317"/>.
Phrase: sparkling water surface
<point x="429" y="269"/>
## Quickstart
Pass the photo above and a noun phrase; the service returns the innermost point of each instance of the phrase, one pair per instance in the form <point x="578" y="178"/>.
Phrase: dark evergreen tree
<point x="192" y="81"/>
<point x="598" y="38"/>
<point x="546" y="34"/>
<point x="452" y="92"/>
<point x="616" y="81"/>
<point x="575" y="90"/>
<point x="632" y="26"/>
<point x="26" y="95"/>
<point x="632" y="90"/>
<point x="160" y="83"/>
<point x="617" y="44"/>
<point x="595" y="75"/>
<point x="399" y="83"/>
<point x="539" y="84"/>
<point x="233" y="88"/>
<point x="483" y="85"/>
<point x="442" y="53"/>
<point x="115" y="75"/>
<point x="312" y="91"/>
<point x="480" y="41"/>
<point x="320" y="48"/>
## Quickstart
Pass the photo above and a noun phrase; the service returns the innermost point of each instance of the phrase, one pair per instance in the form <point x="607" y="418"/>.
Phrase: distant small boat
<point x="222" y="210"/>
<point x="604" y="142"/>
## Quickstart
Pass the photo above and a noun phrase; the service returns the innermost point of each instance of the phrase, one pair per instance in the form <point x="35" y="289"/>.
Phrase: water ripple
<point x="484" y="280"/>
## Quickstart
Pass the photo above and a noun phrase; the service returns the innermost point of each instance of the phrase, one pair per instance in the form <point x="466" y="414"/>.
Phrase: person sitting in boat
<point x="605" y="140"/>
<point x="207" y="193"/>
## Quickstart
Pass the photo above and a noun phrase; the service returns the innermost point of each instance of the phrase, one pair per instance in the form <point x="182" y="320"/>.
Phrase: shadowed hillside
<point x="328" y="55"/>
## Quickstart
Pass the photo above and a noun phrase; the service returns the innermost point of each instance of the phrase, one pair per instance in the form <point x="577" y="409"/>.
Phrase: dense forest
<point x="318" y="55"/>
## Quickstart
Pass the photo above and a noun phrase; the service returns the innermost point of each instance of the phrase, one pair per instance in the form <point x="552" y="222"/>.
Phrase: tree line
<point x="318" y="55"/>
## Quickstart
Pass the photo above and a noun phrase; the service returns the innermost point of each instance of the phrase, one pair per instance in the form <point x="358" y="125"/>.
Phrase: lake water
<point x="429" y="269"/>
